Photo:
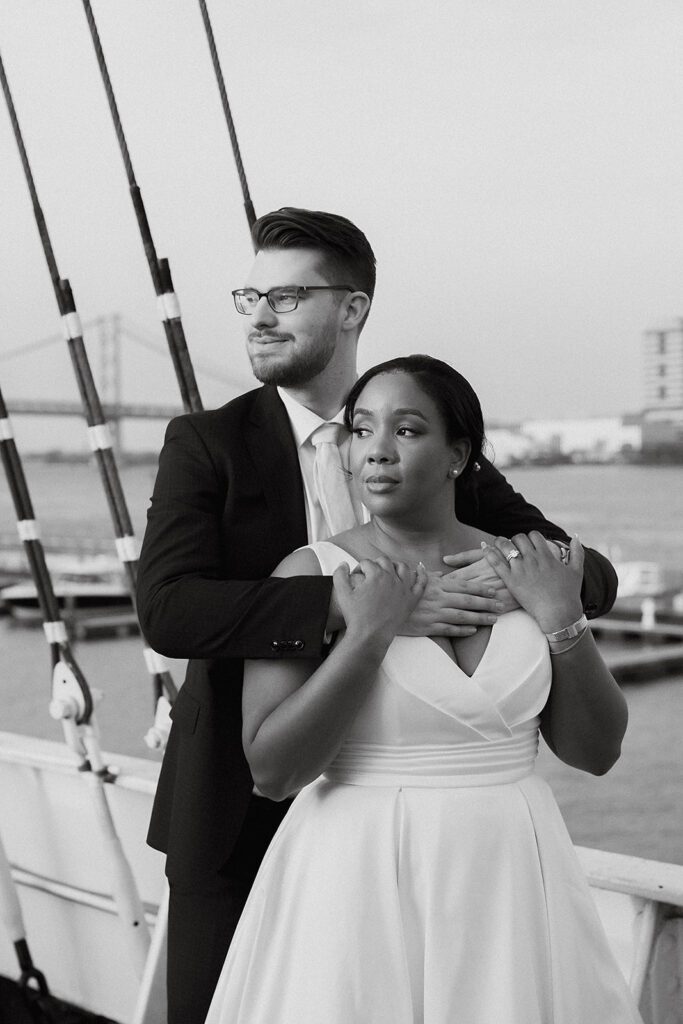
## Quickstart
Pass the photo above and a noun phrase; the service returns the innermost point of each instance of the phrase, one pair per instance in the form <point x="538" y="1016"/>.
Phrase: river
<point x="634" y="512"/>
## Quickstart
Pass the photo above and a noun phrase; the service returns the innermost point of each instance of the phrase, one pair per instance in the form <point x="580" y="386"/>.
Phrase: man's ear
<point x="356" y="308"/>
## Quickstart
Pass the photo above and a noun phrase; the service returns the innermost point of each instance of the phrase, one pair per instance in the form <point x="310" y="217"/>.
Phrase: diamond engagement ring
<point x="512" y="554"/>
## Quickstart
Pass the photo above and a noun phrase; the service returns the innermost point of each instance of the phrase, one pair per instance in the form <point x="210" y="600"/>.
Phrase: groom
<point x="238" y="488"/>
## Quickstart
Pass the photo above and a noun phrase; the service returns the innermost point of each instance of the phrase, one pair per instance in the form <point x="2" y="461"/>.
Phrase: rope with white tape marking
<point x="98" y="431"/>
<point x="29" y="534"/>
<point x="169" y="308"/>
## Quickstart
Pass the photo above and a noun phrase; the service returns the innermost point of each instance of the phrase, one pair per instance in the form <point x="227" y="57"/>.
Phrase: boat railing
<point x="62" y="881"/>
<point x="640" y="902"/>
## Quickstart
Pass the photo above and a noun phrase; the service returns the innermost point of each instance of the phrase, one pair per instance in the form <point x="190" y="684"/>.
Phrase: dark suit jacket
<point x="228" y="505"/>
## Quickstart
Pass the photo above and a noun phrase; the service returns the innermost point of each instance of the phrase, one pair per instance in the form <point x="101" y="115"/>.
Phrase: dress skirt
<point x="428" y="877"/>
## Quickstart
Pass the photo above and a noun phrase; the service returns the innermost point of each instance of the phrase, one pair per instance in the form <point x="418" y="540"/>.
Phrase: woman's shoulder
<point x="302" y="562"/>
<point x="320" y="558"/>
<point x="356" y="542"/>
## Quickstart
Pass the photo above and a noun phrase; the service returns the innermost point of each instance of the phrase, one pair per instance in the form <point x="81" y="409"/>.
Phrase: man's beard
<point x="301" y="369"/>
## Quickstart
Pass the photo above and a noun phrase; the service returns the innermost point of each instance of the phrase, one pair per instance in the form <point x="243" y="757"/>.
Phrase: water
<point x="636" y="809"/>
<point x="633" y="512"/>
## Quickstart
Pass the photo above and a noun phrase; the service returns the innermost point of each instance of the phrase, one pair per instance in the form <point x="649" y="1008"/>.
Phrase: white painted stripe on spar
<point x="6" y="432"/>
<point x="168" y="306"/>
<point x="71" y="322"/>
<point x="55" y="632"/>
<point x="99" y="437"/>
<point x="28" y="529"/>
<point x="155" y="662"/>
<point x="127" y="548"/>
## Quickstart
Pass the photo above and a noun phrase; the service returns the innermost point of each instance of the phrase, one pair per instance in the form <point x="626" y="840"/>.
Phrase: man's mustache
<point x="265" y="336"/>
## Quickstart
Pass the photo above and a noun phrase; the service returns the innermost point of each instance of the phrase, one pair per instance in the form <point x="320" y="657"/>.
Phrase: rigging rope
<point x="72" y="700"/>
<point x="27" y="527"/>
<point x="98" y="431"/>
<point x="248" y="205"/>
<point x="32" y="982"/>
<point x="111" y="99"/>
<point x="167" y="301"/>
<point x="37" y="210"/>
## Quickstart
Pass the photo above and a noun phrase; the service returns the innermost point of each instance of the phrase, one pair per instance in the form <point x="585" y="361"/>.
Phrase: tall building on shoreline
<point x="663" y="393"/>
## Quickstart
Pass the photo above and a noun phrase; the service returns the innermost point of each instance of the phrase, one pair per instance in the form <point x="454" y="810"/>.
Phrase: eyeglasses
<point x="283" y="299"/>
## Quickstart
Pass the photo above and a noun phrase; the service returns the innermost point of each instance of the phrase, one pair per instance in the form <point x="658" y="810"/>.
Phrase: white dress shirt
<point x="304" y="423"/>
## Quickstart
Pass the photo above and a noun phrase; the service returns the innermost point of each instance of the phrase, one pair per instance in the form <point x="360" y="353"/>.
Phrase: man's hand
<point x="472" y="567"/>
<point x="451" y="606"/>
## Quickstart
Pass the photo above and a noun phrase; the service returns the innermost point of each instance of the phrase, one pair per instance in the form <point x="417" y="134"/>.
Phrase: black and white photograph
<point x="341" y="556"/>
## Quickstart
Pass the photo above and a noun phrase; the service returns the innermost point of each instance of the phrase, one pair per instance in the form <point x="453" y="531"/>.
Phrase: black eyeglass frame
<point x="299" y="288"/>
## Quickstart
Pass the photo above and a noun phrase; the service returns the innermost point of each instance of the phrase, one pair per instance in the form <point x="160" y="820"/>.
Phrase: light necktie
<point x="331" y="479"/>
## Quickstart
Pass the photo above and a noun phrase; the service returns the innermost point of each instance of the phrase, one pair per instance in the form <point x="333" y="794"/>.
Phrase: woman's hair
<point x="346" y="255"/>
<point x="452" y="394"/>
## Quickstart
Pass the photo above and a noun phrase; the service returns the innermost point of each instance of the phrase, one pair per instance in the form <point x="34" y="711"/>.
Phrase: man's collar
<point x="303" y="420"/>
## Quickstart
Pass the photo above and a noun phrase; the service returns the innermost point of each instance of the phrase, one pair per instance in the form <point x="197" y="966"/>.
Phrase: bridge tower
<point x="109" y="333"/>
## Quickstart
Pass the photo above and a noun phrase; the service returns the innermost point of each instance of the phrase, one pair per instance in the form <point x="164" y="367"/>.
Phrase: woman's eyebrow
<point x="410" y="412"/>
<point x="396" y="412"/>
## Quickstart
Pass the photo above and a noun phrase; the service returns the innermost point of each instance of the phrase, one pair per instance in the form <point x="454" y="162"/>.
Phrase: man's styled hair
<point x="346" y="255"/>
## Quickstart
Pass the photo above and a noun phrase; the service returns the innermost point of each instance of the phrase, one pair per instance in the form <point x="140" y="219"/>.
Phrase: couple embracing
<point x="378" y="623"/>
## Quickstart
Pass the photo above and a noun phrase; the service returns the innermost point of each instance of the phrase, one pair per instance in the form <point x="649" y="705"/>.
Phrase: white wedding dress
<point x="427" y="877"/>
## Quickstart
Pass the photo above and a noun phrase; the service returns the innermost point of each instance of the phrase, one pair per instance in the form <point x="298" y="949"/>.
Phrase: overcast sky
<point x="516" y="165"/>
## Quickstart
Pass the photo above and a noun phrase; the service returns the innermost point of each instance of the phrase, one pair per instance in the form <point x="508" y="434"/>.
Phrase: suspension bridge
<point x="106" y="336"/>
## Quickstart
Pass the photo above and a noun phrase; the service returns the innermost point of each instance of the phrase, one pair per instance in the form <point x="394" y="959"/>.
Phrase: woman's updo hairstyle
<point x="452" y="394"/>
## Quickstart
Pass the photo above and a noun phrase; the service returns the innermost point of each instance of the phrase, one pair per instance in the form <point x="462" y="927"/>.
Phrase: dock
<point x="648" y="649"/>
<point x="633" y="629"/>
<point x="113" y="624"/>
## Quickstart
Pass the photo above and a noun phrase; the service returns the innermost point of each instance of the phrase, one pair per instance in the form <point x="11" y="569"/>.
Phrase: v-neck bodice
<point x="426" y="719"/>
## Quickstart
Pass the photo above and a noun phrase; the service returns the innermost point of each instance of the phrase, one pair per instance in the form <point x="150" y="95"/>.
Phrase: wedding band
<point x="512" y="554"/>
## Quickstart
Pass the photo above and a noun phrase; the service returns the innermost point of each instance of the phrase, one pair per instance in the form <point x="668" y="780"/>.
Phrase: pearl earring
<point x="453" y="471"/>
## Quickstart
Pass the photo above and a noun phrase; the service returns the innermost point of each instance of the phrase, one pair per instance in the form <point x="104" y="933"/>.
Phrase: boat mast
<point x="98" y="431"/>
<point x="248" y="205"/>
<point x="167" y="300"/>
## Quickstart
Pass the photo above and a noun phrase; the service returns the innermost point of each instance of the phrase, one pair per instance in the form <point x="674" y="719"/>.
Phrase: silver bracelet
<point x="569" y="631"/>
<point x="560" y="646"/>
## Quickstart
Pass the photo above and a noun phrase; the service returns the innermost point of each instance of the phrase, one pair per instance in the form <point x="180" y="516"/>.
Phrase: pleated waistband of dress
<point x="492" y="763"/>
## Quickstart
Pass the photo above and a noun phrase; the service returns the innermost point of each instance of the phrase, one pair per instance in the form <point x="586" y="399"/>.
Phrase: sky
<point x="516" y="165"/>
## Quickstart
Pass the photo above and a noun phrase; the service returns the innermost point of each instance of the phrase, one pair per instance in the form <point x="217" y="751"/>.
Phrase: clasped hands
<point x="455" y="603"/>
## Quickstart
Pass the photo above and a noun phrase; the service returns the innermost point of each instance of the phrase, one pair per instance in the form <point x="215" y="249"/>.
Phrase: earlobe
<point x="461" y="453"/>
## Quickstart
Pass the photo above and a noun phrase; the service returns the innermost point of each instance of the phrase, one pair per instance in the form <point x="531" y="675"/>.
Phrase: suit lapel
<point x="272" y="447"/>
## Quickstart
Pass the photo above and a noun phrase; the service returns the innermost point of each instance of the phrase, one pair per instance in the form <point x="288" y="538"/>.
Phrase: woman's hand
<point x="544" y="587"/>
<point x="378" y="597"/>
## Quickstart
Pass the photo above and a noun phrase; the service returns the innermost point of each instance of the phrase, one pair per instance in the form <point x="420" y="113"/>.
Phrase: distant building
<point x="594" y="439"/>
<point x="663" y="393"/>
<point x="508" y="446"/>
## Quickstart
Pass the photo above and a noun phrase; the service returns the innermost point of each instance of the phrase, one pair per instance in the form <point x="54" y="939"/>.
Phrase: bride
<point x="424" y="873"/>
